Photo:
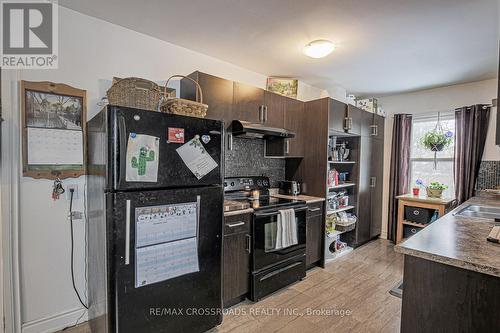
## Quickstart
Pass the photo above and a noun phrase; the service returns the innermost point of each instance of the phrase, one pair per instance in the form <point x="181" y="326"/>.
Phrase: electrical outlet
<point x="75" y="191"/>
<point x="76" y="215"/>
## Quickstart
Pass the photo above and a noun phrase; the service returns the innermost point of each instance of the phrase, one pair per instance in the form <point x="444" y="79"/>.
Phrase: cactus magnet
<point x="142" y="158"/>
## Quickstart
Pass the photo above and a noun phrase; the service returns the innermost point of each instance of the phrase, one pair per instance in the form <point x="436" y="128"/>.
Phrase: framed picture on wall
<point x="283" y="86"/>
<point x="54" y="130"/>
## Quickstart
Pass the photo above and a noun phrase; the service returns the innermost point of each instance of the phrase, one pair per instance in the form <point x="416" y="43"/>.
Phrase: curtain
<point x="471" y="126"/>
<point x="400" y="167"/>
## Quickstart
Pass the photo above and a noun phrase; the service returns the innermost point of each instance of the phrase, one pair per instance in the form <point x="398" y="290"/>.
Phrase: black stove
<point x="273" y="266"/>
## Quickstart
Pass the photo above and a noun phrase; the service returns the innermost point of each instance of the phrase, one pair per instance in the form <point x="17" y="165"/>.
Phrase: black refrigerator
<point x="155" y="216"/>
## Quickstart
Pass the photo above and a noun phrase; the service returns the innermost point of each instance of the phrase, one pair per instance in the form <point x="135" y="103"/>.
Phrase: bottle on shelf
<point x="333" y="178"/>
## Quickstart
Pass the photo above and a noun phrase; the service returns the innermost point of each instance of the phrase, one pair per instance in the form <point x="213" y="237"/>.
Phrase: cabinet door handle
<point x="265" y="114"/>
<point x="374" y="129"/>
<point x="248" y="243"/>
<point x="234" y="225"/>
<point x="350" y="124"/>
<point x="373" y="181"/>
<point x="230" y="141"/>
<point x="314" y="209"/>
<point x="287" y="146"/>
<point x="346" y="123"/>
<point x="261" y="113"/>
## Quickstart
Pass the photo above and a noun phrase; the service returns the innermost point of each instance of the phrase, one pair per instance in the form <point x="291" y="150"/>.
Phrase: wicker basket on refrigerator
<point x="183" y="106"/>
<point x="135" y="92"/>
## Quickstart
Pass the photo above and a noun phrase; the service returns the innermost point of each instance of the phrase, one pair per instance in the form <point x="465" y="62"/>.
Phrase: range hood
<point x="245" y="129"/>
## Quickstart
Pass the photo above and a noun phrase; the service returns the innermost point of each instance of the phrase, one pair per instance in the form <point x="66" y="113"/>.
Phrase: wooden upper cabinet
<point x="379" y="123"/>
<point x="248" y="102"/>
<point x="294" y="118"/>
<point x="337" y="112"/>
<point x="354" y="116"/>
<point x="372" y="125"/>
<point x="274" y="112"/>
<point x="367" y="123"/>
<point x="217" y="94"/>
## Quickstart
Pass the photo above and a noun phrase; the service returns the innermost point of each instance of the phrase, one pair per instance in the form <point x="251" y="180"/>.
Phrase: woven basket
<point x="135" y="92"/>
<point x="345" y="227"/>
<point x="434" y="193"/>
<point x="183" y="106"/>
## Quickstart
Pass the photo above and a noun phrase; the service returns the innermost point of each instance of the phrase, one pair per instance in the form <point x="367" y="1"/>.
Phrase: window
<point x="422" y="159"/>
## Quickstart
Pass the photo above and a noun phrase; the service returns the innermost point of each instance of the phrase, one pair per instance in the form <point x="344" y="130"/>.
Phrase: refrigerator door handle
<point x="122" y="133"/>
<point x="127" y="233"/>
<point x="198" y="206"/>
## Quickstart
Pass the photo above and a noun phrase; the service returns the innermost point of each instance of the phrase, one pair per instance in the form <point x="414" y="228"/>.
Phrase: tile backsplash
<point x="489" y="175"/>
<point x="247" y="159"/>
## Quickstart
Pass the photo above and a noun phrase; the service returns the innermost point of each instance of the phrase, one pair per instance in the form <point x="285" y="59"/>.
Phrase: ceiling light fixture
<point x="319" y="48"/>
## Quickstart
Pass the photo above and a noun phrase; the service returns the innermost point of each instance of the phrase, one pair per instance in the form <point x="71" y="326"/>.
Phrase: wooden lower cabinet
<point x="236" y="259"/>
<point x="314" y="234"/>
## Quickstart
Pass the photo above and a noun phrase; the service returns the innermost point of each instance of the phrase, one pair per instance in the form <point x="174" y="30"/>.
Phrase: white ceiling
<point x="384" y="46"/>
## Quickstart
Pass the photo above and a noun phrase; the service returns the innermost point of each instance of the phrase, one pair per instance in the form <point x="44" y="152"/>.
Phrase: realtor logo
<point x="29" y="35"/>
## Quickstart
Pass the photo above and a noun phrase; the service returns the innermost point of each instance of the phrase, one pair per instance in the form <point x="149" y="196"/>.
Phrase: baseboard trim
<point x="55" y="323"/>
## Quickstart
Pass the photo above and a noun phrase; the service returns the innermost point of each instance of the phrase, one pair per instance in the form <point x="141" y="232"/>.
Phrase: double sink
<point x="483" y="212"/>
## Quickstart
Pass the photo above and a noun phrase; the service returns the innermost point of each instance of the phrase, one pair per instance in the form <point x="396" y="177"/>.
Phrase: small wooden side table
<point x="442" y="205"/>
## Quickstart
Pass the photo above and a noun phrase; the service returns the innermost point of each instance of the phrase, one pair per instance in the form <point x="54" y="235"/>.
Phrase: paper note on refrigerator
<point x="142" y="158"/>
<point x="196" y="157"/>
<point x="160" y="224"/>
<point x="166" y="261"/>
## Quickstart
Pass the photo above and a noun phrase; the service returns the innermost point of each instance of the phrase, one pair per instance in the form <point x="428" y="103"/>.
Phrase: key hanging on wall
<point x="57" y="189"/>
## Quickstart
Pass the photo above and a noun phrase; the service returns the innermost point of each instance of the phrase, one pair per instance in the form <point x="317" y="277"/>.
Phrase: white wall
<point x="91" y="52"/>
<point x="434" y="100"/>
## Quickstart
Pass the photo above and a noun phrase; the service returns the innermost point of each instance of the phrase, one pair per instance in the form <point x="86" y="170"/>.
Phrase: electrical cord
<point x="71" y="191"/>
<point x="72" y="263"/>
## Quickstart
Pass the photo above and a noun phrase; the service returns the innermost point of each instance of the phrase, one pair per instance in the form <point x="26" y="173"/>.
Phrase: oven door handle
<point x="277" y="212"/>
<point x="286" y="250"/>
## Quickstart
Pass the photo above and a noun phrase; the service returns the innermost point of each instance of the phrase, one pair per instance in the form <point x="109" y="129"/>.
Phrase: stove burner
<point x="238" y="189"/>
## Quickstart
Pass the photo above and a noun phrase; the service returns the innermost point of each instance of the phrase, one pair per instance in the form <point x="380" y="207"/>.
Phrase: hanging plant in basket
<point x="435" y="140"/>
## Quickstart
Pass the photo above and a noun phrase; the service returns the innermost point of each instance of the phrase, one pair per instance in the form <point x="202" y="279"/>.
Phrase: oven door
<point x="265" y="226"/>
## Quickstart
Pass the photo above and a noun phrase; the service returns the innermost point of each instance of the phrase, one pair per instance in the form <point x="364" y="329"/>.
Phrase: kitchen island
<point x="452" y="275"/>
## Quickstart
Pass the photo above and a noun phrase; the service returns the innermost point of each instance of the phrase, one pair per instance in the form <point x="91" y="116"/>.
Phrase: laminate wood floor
<point x="350" y="295"/>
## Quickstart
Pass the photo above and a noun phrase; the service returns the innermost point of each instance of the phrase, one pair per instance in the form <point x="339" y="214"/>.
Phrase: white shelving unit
<point x="351" y="167"/>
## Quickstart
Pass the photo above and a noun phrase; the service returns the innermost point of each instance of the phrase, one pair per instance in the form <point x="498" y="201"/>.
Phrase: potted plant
<point x="435" y="189"/>
<point x="416" y="189"/>
<point x="436" y="140"/>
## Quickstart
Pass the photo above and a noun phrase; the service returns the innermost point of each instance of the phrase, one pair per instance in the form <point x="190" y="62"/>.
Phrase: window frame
<point x="447" y="115"/>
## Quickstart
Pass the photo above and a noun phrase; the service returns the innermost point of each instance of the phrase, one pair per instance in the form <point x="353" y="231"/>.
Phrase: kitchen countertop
<point x="458" y="241"/>
<point x="308" y="199"/>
